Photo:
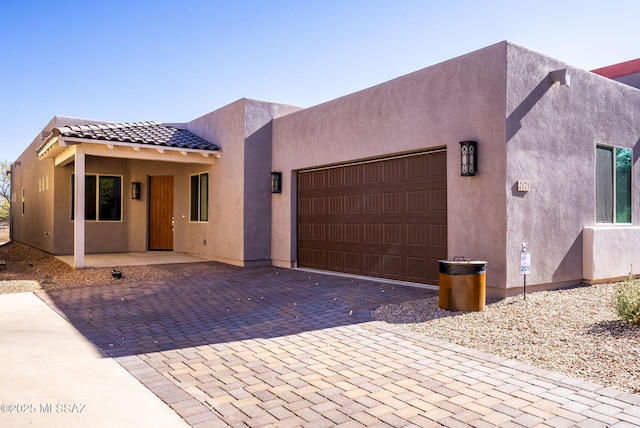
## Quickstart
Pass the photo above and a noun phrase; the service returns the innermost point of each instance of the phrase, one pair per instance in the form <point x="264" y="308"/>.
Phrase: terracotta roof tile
<point x="150" y="133"/>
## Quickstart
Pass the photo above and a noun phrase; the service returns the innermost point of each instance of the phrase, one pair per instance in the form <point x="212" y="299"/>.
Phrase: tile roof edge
<point x="107" y="125"/>
<point x="97" y="130"/>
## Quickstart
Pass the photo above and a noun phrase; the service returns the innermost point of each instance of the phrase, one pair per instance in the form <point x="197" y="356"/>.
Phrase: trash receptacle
<point x="462" y="284"/>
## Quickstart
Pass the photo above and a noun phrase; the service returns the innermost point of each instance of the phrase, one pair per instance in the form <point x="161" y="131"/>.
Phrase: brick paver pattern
<point x="269" y="347"/>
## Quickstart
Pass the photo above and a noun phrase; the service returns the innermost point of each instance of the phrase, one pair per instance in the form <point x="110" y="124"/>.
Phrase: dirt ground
<point x="29" y="269"/>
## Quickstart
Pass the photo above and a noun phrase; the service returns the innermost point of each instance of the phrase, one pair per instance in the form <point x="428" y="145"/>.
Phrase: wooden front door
<point x="161" y="212"/>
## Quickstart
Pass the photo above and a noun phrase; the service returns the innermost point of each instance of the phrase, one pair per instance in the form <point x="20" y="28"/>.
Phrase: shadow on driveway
<point x="209" y="303"/>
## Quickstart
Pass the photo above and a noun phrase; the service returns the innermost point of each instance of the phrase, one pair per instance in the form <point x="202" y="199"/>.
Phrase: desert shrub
<point x="626" y="300"/>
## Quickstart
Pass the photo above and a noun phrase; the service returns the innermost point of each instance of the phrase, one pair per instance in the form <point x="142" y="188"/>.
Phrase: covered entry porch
<point x="133" y="259"/>
<point x="129" y="154"/>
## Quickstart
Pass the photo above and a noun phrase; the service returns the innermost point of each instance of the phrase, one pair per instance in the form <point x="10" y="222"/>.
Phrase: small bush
<point x="626" y="300"/>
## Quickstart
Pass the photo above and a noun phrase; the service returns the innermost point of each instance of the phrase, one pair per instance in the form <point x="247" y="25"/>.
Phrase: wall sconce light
<point x="276" y="182"/>
<point x="135" y="190"/>
<point x="468" y="158"/>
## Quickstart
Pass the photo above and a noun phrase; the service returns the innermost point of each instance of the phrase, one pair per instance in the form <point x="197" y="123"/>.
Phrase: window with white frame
<point x="102" y="197"/>
<point x="199" y="199"/>
<point x="613" y="184"/>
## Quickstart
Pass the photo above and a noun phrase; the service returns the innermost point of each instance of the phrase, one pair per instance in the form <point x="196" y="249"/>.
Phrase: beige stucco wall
<point x="131" y="233"/>
<point x="461" y="99"/>
<point x="552" y="133"/>
<point x="37" y="226"/>
<point x="608" y="252"/>
<point x="239" y="227"/>
<point x="32" y="225"/>
<point x="50" y="228"/>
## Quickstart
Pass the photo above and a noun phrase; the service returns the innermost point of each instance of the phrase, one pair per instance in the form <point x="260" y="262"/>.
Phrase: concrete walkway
<point x="133" y="259"/>
<point x="52" y="376"/>
<point x="267" y="347"/>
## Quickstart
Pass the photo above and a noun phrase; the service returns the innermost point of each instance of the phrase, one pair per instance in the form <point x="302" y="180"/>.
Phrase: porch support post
<point x="78" y="215"/>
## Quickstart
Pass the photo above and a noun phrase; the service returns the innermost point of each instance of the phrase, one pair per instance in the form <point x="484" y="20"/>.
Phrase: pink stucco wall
<point x="552" y="133"/>
<point x="527" y="128"/>
<point x="461" y="99"/>
<point x="239" y="229"/>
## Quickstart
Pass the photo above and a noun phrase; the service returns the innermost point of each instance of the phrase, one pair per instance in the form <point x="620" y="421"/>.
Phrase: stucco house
<point x="372" y="183"/>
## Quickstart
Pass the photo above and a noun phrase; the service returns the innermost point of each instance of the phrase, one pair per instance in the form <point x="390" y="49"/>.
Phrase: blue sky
<point x="173" y="61"/>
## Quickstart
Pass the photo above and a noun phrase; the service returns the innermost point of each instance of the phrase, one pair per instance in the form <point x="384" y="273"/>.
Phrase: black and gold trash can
<point x="462" y="284"/>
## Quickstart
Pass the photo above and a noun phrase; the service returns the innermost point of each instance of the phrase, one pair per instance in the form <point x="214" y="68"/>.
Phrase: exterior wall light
<point x="468" y="158"/>
<point x="276" y="182"/>
<point x="135" y="190"/>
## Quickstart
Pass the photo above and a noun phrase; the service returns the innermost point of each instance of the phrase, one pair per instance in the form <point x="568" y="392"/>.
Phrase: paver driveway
<point x="229" y="346"/>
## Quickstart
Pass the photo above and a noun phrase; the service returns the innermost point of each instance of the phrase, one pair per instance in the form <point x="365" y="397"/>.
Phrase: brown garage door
<point x="385" y="218"/>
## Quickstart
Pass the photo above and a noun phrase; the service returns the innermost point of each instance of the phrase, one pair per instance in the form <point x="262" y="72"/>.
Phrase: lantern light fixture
<point x="135" y="190"/>
<point x="468" y="158"/>
<point x="276" y="182"/>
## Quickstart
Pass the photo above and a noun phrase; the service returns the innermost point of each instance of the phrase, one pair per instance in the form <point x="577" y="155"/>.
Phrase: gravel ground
<point x="572" y="331"/>
<point x="29" y="269"/>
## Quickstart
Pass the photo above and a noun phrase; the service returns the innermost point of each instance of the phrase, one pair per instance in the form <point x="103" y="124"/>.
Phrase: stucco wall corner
<point x="606" y="252"/>
<point x="588" y="262"/>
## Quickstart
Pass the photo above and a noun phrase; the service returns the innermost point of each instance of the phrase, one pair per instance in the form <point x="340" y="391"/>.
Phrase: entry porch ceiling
<point x="140" y="140"/>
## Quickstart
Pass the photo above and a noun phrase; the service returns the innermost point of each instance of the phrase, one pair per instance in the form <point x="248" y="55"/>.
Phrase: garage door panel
<point x="392" y="266"/>
<point x="372" y="203"/>
<point x="336" y="232"/>
<point x="438" y="200"/>
<point x="335" y="177"/>
<point x="344" y="261"/>
<point x="318" y="205"/>
<point x="392" y="202"/>
<point x="385" y="218"/>
<point x="352" y="262"/>
<point x="318" y="258"/>
<point x="319" y="232"/>
<point x="304" y="206"/>
<point x="438" y="235"/>
<point x="352" y="175"/>
<point x="437" y="168"/>
<point x="372" y="173"/>
<point x="373" y="264"/>
<point x="417" y="201"/>
<point x="417" y="167"/>
<point x="393" y="170"/>
<point x="336" y="260"/>
<point x="372" y="233"/>
<point x="336" y="204"/>
<point x="304" y="256"/>
<point x="416" y="268"/>
<point x="392" y="233"/>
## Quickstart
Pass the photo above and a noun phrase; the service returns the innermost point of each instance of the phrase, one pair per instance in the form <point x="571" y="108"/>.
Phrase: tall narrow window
<point x="110" y="199"/>
<point x="199" y="200"/>
<point x="103" y="198"/>
<point x="613" y="185"/>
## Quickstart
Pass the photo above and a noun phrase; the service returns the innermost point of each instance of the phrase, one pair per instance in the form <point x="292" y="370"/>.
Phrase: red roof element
<point x="619" y="70"/>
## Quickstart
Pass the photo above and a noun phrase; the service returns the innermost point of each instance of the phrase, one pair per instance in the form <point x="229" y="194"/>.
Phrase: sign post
<point x="525" y="268"/>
